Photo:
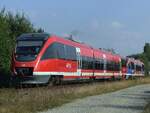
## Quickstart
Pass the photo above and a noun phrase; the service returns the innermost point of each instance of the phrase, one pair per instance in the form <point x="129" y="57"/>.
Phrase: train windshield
<point x="27" y="50"/>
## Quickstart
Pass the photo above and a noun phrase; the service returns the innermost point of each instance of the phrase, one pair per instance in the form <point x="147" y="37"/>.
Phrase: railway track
<point x="73" y="84"/>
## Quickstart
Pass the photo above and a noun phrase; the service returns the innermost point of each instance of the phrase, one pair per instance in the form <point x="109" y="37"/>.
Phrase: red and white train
<point x="41" y="58"/>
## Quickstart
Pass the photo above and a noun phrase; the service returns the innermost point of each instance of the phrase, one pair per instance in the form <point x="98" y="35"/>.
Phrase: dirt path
<point x="130" y="100"/>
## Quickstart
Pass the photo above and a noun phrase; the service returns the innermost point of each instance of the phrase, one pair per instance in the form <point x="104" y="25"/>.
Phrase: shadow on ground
<point x="144" y="96"/>
<point x="125" y="107"/>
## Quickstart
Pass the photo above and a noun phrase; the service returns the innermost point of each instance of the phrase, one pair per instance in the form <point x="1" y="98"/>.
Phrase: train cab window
<point x="27" y="50"/>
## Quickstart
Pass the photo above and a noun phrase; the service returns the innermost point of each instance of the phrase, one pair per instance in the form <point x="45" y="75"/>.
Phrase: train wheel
<point x="58" y="80"/>
<point x="113" y="78"/>
<point x="51" y="81"/>
<point x="55" y="80"/>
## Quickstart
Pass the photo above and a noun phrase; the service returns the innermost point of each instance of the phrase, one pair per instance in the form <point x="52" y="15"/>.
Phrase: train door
<point x="123" y="67"/>
<point x="79" y="61"/>
<point x="105" y="62"/>
<point x="129" y="70"/>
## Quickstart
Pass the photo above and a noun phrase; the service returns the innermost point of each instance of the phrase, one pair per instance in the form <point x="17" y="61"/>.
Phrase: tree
<point x="11" y="26"/>
<point x="5" y="42"/>
<point x="144" y="59"/>
<point x="40" y="30"/>
<point x="147" y="50"/>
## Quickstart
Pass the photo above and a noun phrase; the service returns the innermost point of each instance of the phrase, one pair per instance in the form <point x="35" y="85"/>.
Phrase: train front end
<point x="26" y="57"/>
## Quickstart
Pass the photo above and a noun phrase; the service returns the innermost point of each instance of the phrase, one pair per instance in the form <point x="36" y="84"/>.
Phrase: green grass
<point x="147" y="108"/>
<point x="42" y="98"/>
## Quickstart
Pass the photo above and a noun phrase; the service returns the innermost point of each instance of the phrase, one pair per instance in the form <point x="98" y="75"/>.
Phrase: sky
<point x="120" y="24"/>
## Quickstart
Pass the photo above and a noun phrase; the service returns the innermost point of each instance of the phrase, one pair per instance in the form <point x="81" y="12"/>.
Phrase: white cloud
<point x="116" y="24"/>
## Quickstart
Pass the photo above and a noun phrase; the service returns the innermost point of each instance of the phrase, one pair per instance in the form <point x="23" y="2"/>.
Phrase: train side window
<point x="55" y="50"/>
<point x="87" y="62"/>
<point x="61" y="51"/>
<point x="117" y="66"/>
<point x="84" y="62"/>
<point x="112" y="66"/>
<point x="50" y="52"/>
<point x="99" y="64"/>
<point x="108" y="66"/>
<point x="70" y="52"/>
<point x="90" y="63"/>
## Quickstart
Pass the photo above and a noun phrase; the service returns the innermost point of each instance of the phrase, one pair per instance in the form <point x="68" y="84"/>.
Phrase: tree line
<point x="11" y="26"/>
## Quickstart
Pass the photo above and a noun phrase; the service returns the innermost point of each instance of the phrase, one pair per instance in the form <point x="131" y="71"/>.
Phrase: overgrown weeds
<point x="29" y="100"/>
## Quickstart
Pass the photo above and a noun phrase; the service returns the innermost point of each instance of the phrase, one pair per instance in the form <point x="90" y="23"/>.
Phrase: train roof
<point x="33" y="36"/>
<point x="85" y="47"/>
<point x="45" y="36"/>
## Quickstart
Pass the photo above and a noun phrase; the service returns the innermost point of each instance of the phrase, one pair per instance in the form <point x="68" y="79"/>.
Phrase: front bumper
<point x="36" y="79"/>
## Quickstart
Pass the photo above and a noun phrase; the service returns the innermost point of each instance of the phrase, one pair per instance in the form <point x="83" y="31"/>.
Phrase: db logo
<point x="23" y="65"/>
<point x="68" y="65"/>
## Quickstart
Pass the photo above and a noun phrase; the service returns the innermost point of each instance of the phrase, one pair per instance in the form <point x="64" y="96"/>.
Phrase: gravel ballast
<point x="129" y="100"/>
